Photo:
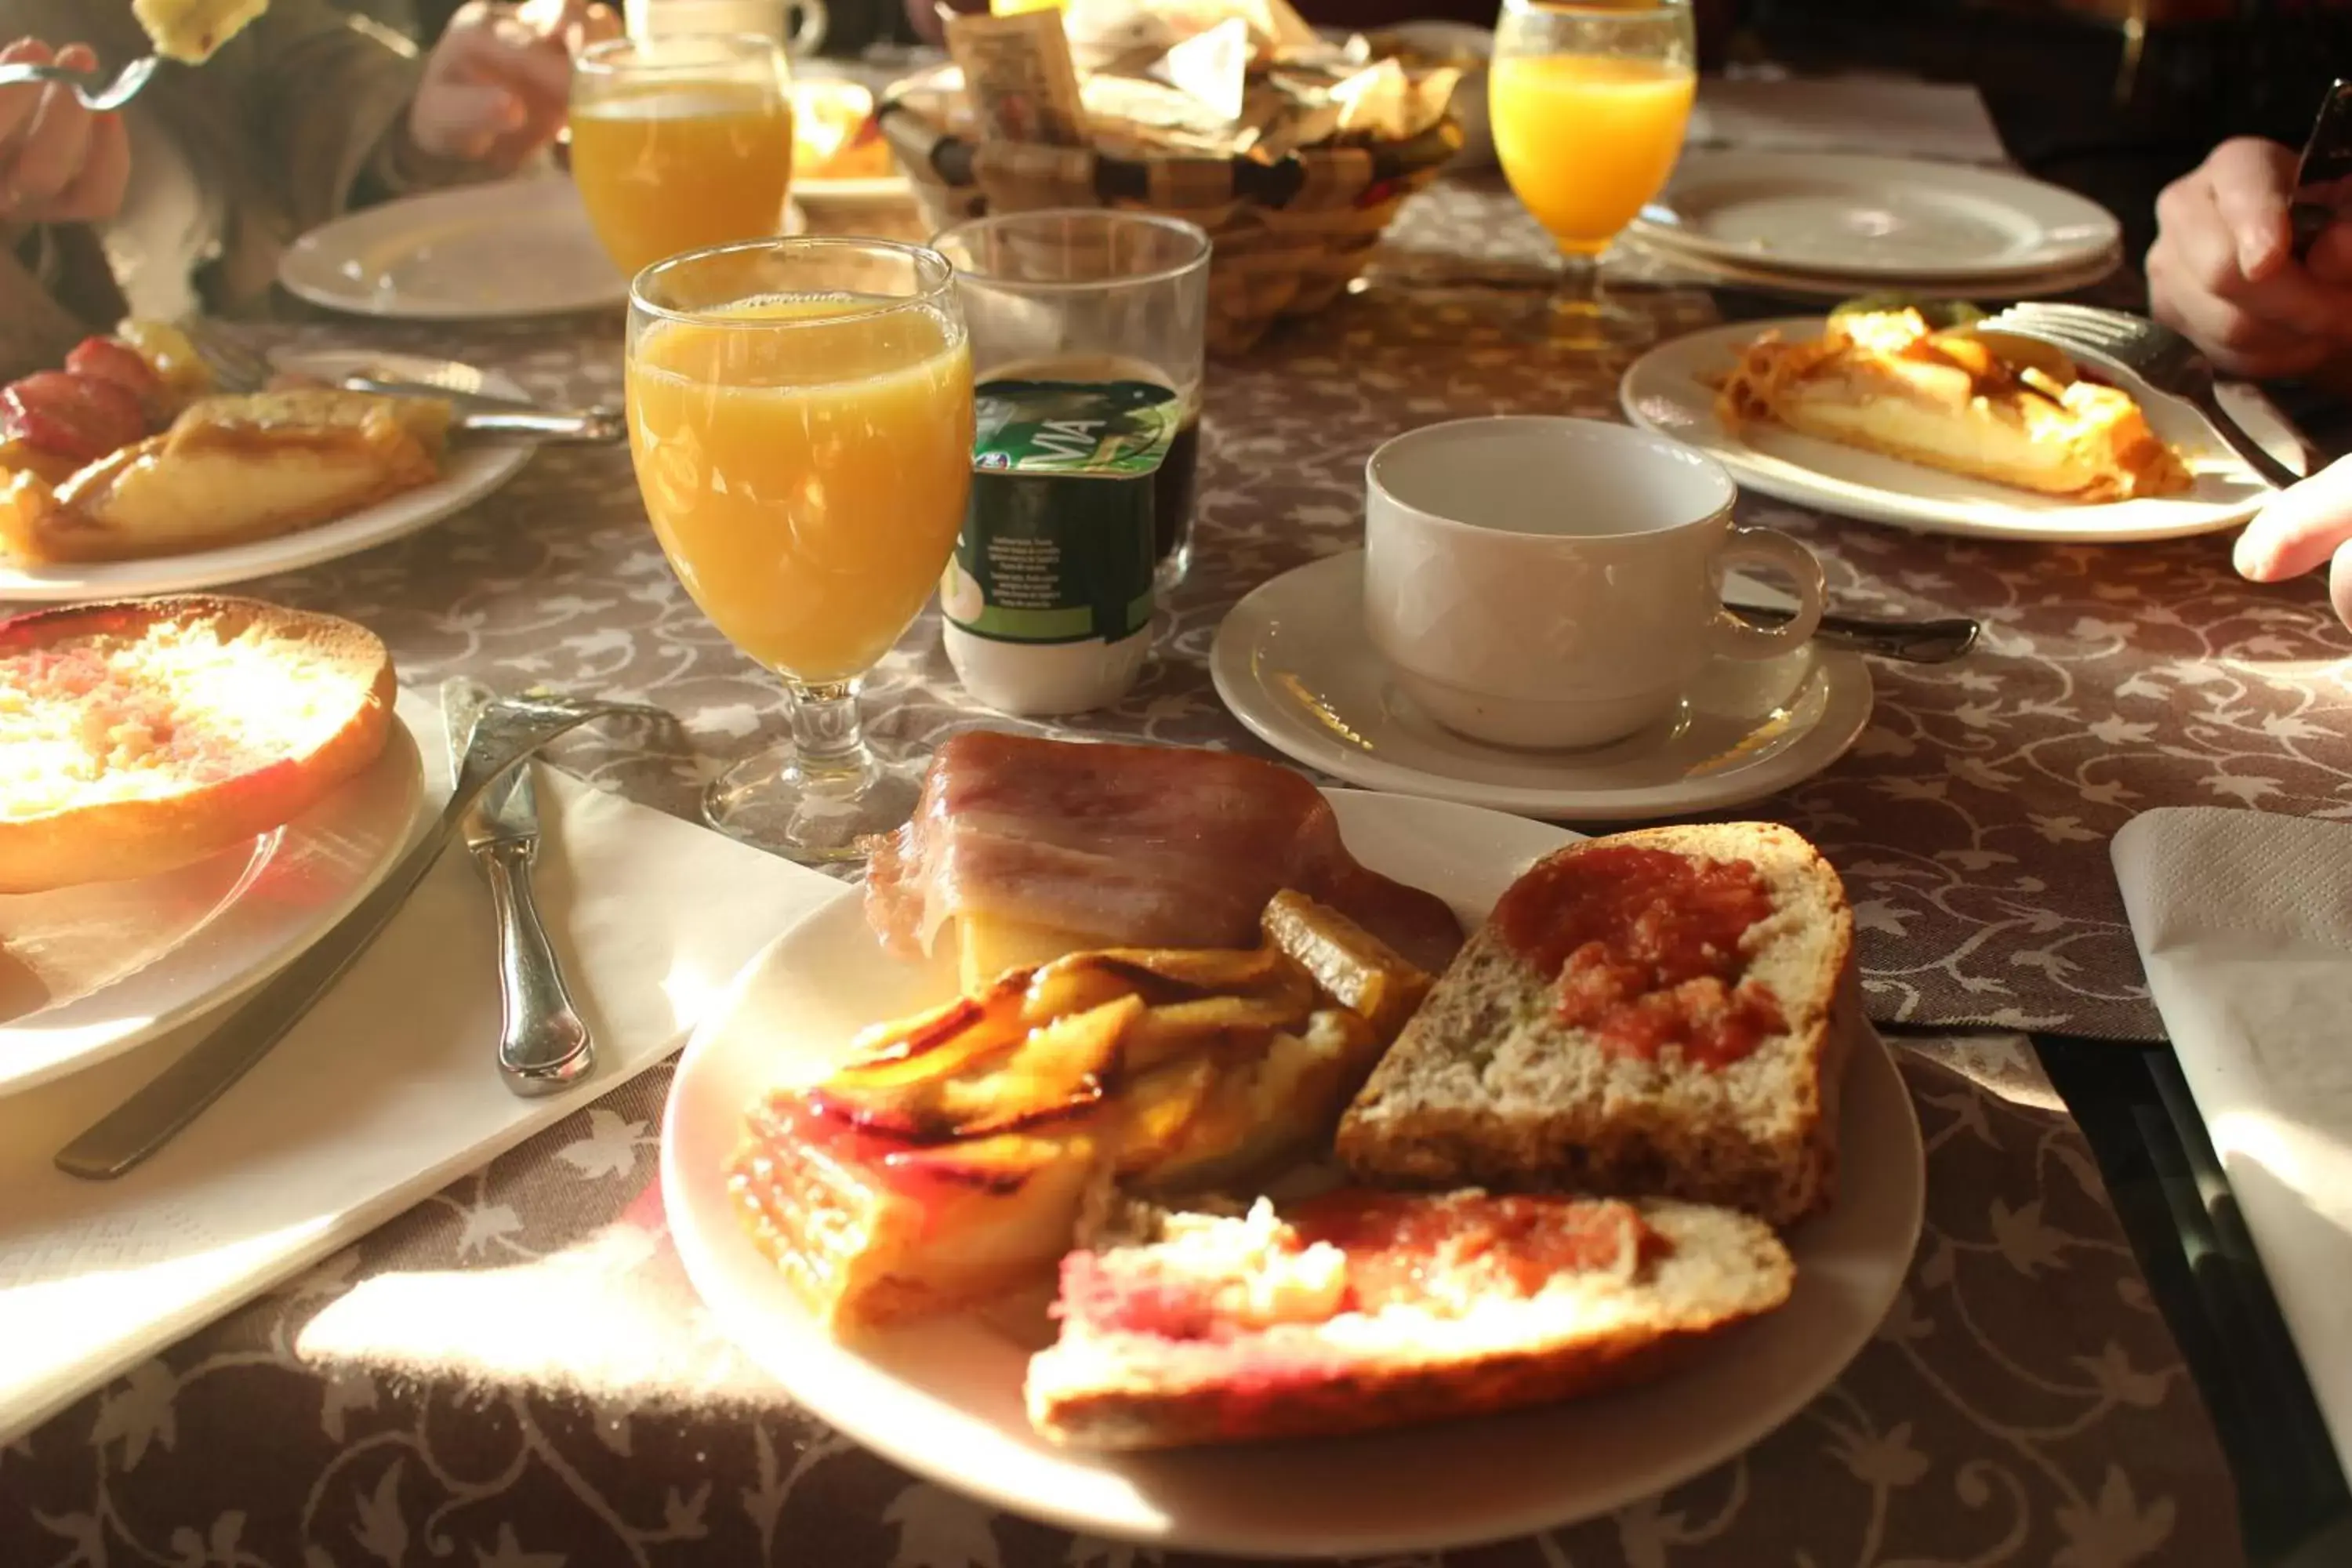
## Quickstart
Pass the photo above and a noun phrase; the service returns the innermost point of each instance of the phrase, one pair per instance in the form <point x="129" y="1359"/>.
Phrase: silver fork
<point x="98" y="99"/>
<point x="2149" y="350"/>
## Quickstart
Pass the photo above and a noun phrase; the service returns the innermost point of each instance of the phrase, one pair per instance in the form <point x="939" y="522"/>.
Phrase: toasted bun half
<point x="1487" y="1086"/>
<point x="1472" y="1342"/>
<point x="140" y="736"/>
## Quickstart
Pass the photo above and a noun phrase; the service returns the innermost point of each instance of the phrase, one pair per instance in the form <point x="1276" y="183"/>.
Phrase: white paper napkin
<point x="1895" y="118"/>
<point x="2244" y="921"/>
<point x="387" y="1090"/>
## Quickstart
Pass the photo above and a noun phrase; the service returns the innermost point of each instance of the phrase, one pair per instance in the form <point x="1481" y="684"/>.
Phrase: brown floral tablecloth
<point x="515" y="1373"/>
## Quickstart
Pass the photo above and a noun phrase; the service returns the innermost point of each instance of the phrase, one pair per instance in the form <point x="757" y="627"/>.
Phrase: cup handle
<point x="1737" y="637"/>
<point x="808" y="28"/>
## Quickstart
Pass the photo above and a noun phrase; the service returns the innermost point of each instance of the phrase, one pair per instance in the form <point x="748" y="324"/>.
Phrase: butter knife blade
<point x="462" y="702"/>
<point x="2323" y="178"/>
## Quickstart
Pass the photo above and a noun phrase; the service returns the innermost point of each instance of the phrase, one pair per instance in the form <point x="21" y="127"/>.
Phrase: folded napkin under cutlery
<point x="2244" y="923"/>
<point x="386" y="1090"/>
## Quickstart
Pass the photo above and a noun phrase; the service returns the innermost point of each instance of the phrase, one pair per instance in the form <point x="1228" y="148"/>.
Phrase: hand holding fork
<point x="64" y="157"/>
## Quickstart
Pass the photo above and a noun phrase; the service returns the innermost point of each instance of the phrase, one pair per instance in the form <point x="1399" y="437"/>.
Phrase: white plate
<point x="472" y="470"/>
<point x="87" y="973"/>
<point x="861" y="192"/>
<point x="1873" y="217"/>
<point x="517" y="248"/>
<point x="1293" y="663"/>
<point x="1832" y="285"/>
<point x="944" y="1399"/>
<point x="1665" y="390"/>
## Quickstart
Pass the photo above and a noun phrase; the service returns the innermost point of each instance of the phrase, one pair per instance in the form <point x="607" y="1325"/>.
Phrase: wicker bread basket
<point x="1288" y="235"/>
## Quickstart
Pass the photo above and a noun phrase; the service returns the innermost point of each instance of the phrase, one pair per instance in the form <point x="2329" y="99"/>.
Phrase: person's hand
<point x="58" y="162"/>
<point x="2307" y="525"/>
<point x="2222" y="269"/>
<point x="495" y="83"/>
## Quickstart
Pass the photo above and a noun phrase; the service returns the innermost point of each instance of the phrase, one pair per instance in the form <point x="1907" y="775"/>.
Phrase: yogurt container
<point x="1047" y="602"/>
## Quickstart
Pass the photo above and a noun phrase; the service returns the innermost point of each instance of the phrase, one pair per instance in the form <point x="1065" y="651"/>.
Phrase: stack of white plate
<point x="1835" y="226"/>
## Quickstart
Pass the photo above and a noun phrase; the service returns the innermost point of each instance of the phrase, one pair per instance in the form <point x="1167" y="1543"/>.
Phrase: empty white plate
<point x="1294" y="664"/>
<point x="942" y="1398"/>
<point x="1869" y="218"/>
<point x="472" y="470"/>
<point x="1671" y="390"/>
<point x="517" y="248"/>
<point x="1718" y="272"/>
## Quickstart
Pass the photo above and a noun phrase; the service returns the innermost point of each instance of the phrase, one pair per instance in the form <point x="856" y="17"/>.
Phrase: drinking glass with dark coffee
<point x="1091" y="296"/>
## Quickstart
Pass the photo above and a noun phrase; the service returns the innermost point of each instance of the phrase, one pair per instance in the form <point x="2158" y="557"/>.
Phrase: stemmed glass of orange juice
<point x="681" y="142"/>
<point x="1589" y="100"/>
<point x="800" y="417"/>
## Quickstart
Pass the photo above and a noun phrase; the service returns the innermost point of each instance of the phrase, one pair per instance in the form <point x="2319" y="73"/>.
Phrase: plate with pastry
<point x="1878" y="414"/>
<point x="1233" y="1166"/>
<point x="128" y="472"/>
<point x="192" y="789"/>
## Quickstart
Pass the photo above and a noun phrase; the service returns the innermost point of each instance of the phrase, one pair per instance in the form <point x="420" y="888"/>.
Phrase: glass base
<point x="816" y="817"/>
<point x="1594" y="323"/>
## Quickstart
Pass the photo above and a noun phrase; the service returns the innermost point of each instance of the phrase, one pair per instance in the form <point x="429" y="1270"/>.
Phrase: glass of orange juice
<point x="1589" y="100"/>
<point x="681" y="142"/>
<point x="801" y="417"/>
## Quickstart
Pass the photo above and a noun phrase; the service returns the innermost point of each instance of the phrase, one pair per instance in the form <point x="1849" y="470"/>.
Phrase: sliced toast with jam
<point x="1660" y="1013"/>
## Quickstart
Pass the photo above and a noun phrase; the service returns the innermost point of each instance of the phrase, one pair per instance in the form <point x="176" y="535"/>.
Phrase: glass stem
<point x="1579" y="293"/>
<point x="828" y="739"/>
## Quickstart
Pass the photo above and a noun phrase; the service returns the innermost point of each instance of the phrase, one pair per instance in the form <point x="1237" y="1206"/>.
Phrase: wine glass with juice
<point x="1589" y="103"/>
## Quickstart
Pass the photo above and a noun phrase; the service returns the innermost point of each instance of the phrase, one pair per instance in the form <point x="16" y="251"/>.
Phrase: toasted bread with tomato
<point x="138" y="737"/>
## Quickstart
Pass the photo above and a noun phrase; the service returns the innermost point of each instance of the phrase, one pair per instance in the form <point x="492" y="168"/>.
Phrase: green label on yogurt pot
<point x="1058" y="543"/>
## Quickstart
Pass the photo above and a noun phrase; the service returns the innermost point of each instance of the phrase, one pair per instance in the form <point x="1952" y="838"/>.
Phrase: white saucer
<point x="1871" y="217"/>
<point x="1670" y="391"/>
<point x="517" y="247"/>
<point x="1720" y="272"/>
<point x="942" y="1397"/>
<point x="1293" y="663"/>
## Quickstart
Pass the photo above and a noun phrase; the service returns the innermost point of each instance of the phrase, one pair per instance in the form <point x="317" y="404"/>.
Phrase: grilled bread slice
<point x="1360" y="1310"/>
<point x="229" y="470"/>
<point x="1513" y="1076"/>
<point x="138" y="737"/>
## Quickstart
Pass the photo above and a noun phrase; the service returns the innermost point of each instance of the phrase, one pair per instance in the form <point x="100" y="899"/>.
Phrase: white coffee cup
<point x="1546" y="583"/>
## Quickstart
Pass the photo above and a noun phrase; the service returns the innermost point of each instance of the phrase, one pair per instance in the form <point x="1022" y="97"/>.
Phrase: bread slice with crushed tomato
<point x="1207" y="1329"/>
<point x="1487" y="1086"/>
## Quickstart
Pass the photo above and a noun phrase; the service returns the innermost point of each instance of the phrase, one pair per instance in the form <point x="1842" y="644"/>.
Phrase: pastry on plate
<point x="1358" y="1310"/>
<point x="949" y="1158"/>
<point x="1986" y="405"/>
<point x="1665" y="1011"/>
<point x="135" y="738"/>
<point x="229" y="470"/>
<point x="190" y="30"/>
<point x="1022" y="849"/>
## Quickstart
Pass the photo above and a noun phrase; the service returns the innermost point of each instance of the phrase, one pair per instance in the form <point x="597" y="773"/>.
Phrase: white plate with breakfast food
<point x="2025" y="444"/>
<point x="249" y="786"/>
<point x="478" y="253"/>
<point x="1873" y="217"/>
<point x="1293" y="663"/>
<point x="1212" y="1064"/>
<point x="107" y="491"/>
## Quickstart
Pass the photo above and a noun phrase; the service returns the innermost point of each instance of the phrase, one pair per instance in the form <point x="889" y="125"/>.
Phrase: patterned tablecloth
<point x="2024" y="1403"/>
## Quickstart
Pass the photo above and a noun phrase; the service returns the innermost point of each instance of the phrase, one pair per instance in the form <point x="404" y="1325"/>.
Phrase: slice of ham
<point x="1128" y="847"/>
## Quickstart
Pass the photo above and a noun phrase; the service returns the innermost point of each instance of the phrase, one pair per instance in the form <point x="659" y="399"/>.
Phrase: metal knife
<point x="543" y="1046"/>
<point x="478" y="415"/>
<point x="2322" y="180"/>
